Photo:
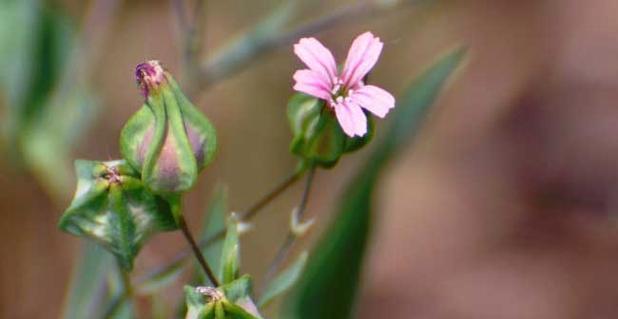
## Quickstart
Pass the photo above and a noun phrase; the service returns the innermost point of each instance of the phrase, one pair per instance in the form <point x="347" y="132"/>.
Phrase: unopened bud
<point x="168" y="140"/>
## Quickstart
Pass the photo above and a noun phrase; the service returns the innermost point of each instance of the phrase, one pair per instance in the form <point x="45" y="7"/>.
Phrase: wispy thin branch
<point x="270" y="34"/>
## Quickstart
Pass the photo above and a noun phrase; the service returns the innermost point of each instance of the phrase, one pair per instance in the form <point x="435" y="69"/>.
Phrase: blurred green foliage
<point x="45" y="108"/>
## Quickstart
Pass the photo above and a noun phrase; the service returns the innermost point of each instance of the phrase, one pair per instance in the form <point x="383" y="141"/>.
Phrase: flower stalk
<point x="197" y="252"/>
<point x="245" y="215"/>
<point x="292" y="236"/>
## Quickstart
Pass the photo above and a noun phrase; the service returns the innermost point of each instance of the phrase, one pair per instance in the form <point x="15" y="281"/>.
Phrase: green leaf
<point x="284" y="281"/>
<point x="19" y="30"/>
<point x="230" y="255"/>
<point x="126" y="311"/>
<point x="198" y="307"/>
<point x="34" y="43"/>
<point x="219" y="311"/>
<point x="87" y="283"/>
<point x="42" y="119"/>
<point x="238" y="289"/>
<point x="155" y="283"/>
<point x="233" y="311"/>
<point x="48" y="142"/>
<point x="329" y="284"/>
<point x="113" y="208"/>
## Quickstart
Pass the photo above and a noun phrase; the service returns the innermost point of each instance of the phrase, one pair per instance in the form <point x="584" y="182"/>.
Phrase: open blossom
<point x="344" y="92"/>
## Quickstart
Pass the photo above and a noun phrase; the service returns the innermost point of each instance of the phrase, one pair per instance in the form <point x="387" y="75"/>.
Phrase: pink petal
<point x="363" y="55"/>
<point x="374" y="99"/>
<point x="317" y="57"/>
<point x="351" y="118"/>
<point x="310" y="82"/>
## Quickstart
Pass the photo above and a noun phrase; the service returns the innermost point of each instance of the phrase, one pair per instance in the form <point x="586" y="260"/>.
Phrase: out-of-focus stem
<point x="75" y="75"/>
<point x="269" y="35"/>
<point x="192" y="37"/>
<point x="291" y="238"/>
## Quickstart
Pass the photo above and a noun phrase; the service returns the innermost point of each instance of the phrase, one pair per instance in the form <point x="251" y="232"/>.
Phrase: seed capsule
<point x="168" y="140"/>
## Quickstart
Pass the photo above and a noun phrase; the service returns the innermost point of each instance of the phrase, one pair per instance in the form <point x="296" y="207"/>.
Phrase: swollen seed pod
<point x="168" y="140"/>
<point x="112" y="207"/>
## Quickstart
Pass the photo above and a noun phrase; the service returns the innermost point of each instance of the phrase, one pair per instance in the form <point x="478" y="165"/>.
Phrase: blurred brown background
<point x="503" y="209"/>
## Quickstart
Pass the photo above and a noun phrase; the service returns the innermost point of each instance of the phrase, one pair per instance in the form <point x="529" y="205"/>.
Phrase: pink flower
<point x="344" y="92"/>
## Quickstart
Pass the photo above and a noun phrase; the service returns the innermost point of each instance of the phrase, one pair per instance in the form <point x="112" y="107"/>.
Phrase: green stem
<point x="126" y="283"/>
<point x="119" y="300"/>
<point x="243" y="216"/>
<point x="291" y="238"/>
<point x="197" y="252"/>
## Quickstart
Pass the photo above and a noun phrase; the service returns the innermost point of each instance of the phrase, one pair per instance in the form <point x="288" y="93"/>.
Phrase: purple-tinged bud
<point x="149" y="76"/>
<point x="168" y="140"/>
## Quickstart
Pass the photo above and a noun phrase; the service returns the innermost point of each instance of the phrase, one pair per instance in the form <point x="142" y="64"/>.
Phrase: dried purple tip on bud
<point x="149" y="75"/>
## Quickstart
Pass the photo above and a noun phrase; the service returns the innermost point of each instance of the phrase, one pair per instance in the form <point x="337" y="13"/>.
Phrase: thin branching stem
<point x="178" y="8"/>
<point x="269" y="197"/>
<point x="245" y="215"/>
<point x="270" y="34"/>
<point x="191" y="30"/>
<point x="197" y="252"/>
<point x="291" y="238"/>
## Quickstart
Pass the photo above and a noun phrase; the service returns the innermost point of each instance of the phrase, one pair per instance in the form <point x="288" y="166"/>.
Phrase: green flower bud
<point x="317" y="136"/>
<point x="168" y="140"/>
<point x="112" y="207"/>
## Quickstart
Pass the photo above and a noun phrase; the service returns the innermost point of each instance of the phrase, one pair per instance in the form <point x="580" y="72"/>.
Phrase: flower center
<point x="340" y="93"/>
<point x="112" y="175"/>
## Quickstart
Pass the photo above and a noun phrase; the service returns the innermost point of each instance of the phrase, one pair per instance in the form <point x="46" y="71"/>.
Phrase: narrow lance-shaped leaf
<point x="230" y="255"/>
<point x="43" y="118"/>
<point x="239" y="292"/>
<point x="214" y="223"/>
<point x="86" y="291"/>
<point x="155" y="283"/>
<point x="198" y="306"/>
<point x="284" y="281"/>
<point x="329" y="284"/>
